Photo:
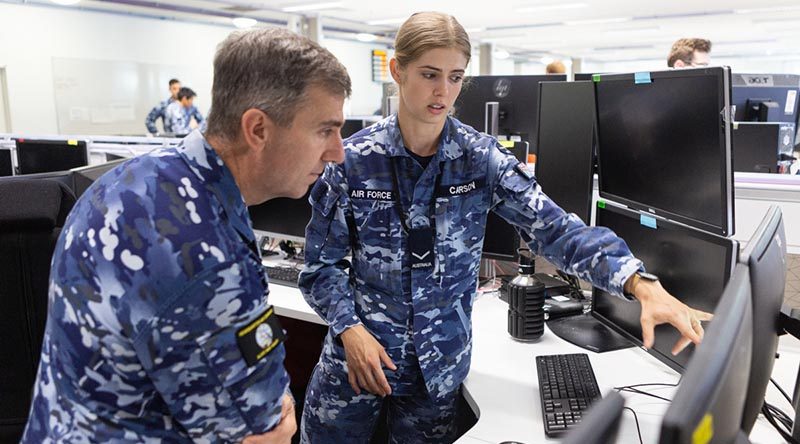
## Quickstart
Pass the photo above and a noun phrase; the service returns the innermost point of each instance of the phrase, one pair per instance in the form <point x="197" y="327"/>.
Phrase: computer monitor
<point x="564" y="164"/>
<point x="282" y="217"/>
<point x="41" y="156"/>
<point x="84" y="177"/>
<point x="6" y="167"/>
<point x="351" y="126"/>
<point x="755" y="147"/>
<point x="664" y="144"/>
<point x="517" y="98"/>
<point x="765" y="97"/>
<point x="601" y="423"/>
<point x="765" y="255"/>
<point x="710" y="399"/>
<point x="692" y="265"/>
<point x="501" y="239"/>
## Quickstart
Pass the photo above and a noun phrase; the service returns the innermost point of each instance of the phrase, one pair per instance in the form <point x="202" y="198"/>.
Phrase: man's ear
<point x="256" y="128"/>
<point x="679" y="64"/>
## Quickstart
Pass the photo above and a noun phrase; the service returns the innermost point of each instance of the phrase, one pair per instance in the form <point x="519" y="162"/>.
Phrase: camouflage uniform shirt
<point x="154" y="273"/>
<point x="157" y="113"/>
<point x="365" y="208"/>
<point x="177" y="118"/>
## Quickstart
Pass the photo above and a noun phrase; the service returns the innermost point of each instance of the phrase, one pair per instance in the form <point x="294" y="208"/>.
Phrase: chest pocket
<point x="460" y="225"/>
<point x="378" y="256"/>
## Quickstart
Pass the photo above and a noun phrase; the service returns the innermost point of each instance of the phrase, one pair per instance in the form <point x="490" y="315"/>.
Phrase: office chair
<point x="32" y="213"/>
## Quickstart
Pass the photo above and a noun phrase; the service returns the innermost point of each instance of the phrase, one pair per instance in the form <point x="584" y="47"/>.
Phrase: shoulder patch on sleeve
<point x="258" y="338"/>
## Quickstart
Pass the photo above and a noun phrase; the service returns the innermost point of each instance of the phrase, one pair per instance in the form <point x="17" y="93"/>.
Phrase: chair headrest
<point x="34" y="204"/>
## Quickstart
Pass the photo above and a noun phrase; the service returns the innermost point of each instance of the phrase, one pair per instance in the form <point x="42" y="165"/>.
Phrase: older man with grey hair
<point x="159" y="327"/>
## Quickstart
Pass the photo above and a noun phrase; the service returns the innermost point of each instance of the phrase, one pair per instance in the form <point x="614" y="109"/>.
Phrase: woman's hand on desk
<point x="283" y="432"/>
<point x="660" y="307"/>
<point x="364" y="358"/>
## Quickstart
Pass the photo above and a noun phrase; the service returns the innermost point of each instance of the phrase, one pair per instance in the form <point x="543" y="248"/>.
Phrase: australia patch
<point x="523" y="169"/>
<point x="260" y="337"/>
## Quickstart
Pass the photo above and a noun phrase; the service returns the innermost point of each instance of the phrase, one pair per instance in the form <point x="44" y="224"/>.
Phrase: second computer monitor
<point x="663" y="144"/>
<point x="517" y="96"/>
<point x="765" y="255"/>
<point x="710" y="399"/>
<point x="282" y="217"/>
<point x="766" y="97"/>
<point x="501" y="240"/>
<point x="6" y="167"/>
<point x="755" y="147"/>
<point x="43" y="156"/>
<point x="692" y="265"/>
<point x="564" y="164"/>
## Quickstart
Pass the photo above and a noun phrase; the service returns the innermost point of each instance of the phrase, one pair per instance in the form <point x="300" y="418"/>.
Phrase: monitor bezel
<point x="723" y="75"/>
<point x="731" y="258"/>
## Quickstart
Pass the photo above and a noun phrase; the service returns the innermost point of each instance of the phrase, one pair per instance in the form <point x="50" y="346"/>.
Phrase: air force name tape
<point x="386" y="195"/>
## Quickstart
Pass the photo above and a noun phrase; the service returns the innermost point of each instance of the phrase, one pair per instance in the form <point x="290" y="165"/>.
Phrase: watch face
<point x="648" y="276"/>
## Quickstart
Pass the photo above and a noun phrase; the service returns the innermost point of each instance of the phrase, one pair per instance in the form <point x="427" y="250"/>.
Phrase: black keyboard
<point x="283" y="275"/>
<point x="567" y="387"/>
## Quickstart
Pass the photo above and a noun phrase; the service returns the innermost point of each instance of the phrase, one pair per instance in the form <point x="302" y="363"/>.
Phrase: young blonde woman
<point x="409" y="205"/>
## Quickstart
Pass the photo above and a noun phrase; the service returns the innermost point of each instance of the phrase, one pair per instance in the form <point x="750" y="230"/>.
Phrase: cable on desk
<point x="632" y="389"/>
<point x="574" y="285"/>
<point x="652" y="384"/>
<point x="781" y="390"/>
<point x="636" y="418"/>
<point x="768" y="410"/>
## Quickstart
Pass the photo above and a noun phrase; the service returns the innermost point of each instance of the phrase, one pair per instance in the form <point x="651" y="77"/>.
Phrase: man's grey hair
<point x="269" y="69"/>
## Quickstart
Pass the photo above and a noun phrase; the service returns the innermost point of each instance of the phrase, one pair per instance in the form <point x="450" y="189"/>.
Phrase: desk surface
<point x="503" y="389"/>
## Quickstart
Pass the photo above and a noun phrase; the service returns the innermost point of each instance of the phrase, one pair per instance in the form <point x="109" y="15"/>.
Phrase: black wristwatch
<point x="640" y="275"/>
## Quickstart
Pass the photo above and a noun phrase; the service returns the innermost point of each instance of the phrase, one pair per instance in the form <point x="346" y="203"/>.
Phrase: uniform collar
<point x="218" y="179"/>
<point x="449" y="148"/>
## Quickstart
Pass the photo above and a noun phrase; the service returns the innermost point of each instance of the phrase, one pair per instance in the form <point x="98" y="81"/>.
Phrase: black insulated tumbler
<point x="526" y="301"/>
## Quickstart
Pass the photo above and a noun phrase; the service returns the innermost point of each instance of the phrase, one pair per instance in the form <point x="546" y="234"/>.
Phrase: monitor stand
<point x="587" y="332"/>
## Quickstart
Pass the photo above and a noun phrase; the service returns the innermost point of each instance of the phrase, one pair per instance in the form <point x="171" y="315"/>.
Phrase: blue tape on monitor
<point x="641" y="77"/>
<point x="647" y="221"/>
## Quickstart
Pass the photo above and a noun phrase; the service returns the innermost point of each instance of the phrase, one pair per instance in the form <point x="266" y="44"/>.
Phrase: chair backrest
<point x="32" y="213"/>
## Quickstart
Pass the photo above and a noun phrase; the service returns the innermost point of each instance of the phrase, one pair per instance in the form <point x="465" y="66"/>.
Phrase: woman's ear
<point x="256" y="128"/>
<point x="395" y="70"/>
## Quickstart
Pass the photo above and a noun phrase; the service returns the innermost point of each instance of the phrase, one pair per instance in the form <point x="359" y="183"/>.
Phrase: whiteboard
<point x="114" y="97"/>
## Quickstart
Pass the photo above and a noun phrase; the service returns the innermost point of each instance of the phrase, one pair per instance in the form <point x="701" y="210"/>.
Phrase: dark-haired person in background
<point x="178" y="115"/>
<point x="158" y="111"/>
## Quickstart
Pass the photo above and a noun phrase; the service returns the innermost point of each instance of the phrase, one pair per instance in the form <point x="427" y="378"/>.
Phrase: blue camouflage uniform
<point x="366" y="208"/>
<point x="157" y="113"/>
<point x="177" y="118"/>
<point x="153" y="278"/>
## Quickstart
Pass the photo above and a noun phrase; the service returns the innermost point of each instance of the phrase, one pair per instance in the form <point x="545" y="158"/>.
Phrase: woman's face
<point x="430" y="84"/>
